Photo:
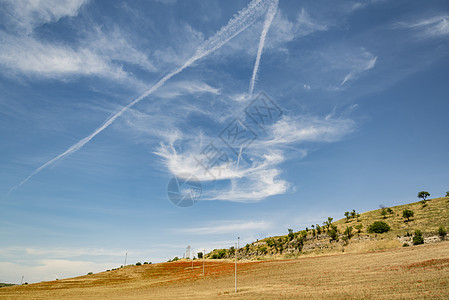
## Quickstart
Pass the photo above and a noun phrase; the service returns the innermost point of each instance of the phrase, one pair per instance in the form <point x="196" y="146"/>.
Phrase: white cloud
<point x="307" y="129"/>
<point x="363" y="62"/>
<point x="180" y="88"/>
<point x="227" y="227"/>
<point x="29" y="56"/>
<point x="281" y="32"/>
<point x="27" y="15"/>
<point x="430" y="27"/>
<point x="114" y="46"/>
<point x="50" y="269"/>
<point x="258" y="178"/>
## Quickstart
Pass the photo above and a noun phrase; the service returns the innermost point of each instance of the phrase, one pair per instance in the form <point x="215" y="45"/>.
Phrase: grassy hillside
<point x="404" y="273"/>
<point x="428" y="217"/>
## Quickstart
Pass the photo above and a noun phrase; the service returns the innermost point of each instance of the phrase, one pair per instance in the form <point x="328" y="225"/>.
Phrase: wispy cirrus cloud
<point x="359" y="64"/>
<point x="25" y="16"/>
<point x="259" y="176"/>
<point x="234" y="27"/>
<point x="225" y="227"/>
<point x="29" y="56"/>
<point x="180" y="88"/>
<point x="428" y="27"/>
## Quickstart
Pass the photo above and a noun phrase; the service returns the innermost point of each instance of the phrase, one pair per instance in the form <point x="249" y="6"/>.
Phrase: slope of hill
<point x="351" y="233"/>
<point x="403" y="273"/>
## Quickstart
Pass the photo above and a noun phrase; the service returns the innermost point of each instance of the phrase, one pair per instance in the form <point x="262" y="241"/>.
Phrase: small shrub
<point x="145" y="263"/>
<point x="221" y="253"/>
<point x="138" y="264"/>
<point x="263" y="249"/>
<point x="384" y="213"/>
<point x="407" y="213"/>
<point x="378" y="227"/>
<point x="447" y="194"/>
<point x="442" y="232"/>
<point x="333" y="233"/>
<point x="359" y="228"/>
<point x="405" y="245"/>
<point x="348" y="232"/>
<point x="90" y="273"/>
<point x="418" y="238"/>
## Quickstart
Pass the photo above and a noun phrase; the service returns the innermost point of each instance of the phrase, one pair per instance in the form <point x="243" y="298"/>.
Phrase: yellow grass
<point x="403" y="273"/>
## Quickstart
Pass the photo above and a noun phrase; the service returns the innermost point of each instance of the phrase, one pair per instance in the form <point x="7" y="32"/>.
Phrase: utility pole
<point x="126" y="256"/>
<point x="21" y="281"/>
<point x="236" y="249"/>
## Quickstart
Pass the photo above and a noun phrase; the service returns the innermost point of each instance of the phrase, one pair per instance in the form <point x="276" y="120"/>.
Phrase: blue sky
<point x="102" y="103"/>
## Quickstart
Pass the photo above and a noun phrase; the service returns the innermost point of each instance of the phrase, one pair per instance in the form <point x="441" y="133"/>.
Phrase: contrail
<point x="236" y="25"/>
<point x="266" y="26"/>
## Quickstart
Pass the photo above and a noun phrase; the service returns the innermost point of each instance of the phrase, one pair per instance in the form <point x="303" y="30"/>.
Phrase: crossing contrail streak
<point x="236" y="25"/>
<point x="266" y="26"/>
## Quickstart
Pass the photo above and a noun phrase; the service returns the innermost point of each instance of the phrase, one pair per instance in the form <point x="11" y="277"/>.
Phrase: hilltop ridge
<point x="350" y="234"/>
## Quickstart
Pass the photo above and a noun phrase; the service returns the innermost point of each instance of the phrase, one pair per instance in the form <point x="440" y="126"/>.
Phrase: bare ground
<point x="402" y="273"/>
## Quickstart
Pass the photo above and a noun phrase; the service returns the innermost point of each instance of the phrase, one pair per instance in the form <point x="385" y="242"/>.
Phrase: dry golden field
<point x="402" y="273"/>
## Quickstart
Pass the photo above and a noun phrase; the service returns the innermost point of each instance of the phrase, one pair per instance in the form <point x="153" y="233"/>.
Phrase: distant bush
<point x="359" y="228"/>
<point x="405" y="245"/>
<point x="270" y="242"/>
<point x="418" y="238"/>
<point x="263" y="249"/>
<point x="447" y="194"/>
<point x="407" y="213"/>
<point x="442" y="232"/>
<point x="333" y="233"/>
<point x="378" y="227"/>
<point x="290" y="234"/>
<point x="90" y="273"/>
<point x="145" y="263"/>
<point x="138" y="264"/>
<point x="221" y="253"/>
<point x="389" y="210"/>
<point x="200" y="255"/>
<point x="348" y="232"/>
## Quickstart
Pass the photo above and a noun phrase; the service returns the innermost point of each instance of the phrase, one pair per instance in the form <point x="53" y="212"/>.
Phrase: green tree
<point x="418" y="238"/>
<point x="423" y="195"/>
<point x="138" y="264"/>
<point x="333" y="233"/>
<point x="407" y="213"/>
<point x="447" y="194"/>
<point x="200" y="255"/>
<point x="353" y="214"/>
<point x="348" y="232"/>
<point x="384" y="213"/>
<point x="290" y="234"/>
<point x="378" y="227"/>
<point x="318" y="229"/>
<point x="328" y="222"/>
<point x="389" y="210"/>
<point x="347" y="216"/>
<point x="442" y="232"/>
